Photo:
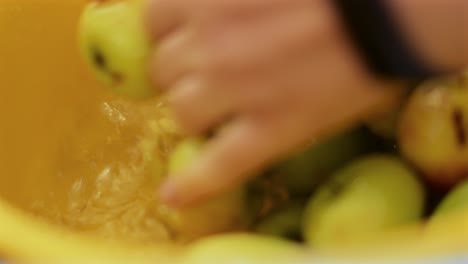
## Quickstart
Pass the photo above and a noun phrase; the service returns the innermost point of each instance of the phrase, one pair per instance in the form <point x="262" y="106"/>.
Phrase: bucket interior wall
<point x="71" y="151"/>
<point x="44" y="90"/>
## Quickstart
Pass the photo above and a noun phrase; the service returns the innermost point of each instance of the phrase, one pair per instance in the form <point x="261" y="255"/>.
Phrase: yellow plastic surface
<point x="44" y="89"/>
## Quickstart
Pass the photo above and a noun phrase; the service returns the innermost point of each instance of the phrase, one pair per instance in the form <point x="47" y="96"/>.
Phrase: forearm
<point x="436" y="29"/>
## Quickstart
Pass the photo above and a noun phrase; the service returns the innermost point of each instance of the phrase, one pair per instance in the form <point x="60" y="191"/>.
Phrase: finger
<point x="227" y="162"/>
<point x="172" y="58"/>
<point x="240" y="44"/>
<point x="198" y="106"/>
<point x="163" y="17"/>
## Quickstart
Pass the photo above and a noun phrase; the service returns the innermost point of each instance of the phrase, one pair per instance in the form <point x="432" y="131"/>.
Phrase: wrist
<point x="436" y="30"/>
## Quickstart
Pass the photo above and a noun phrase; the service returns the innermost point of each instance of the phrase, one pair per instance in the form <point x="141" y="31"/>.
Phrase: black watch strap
<point x="378" y="39"/>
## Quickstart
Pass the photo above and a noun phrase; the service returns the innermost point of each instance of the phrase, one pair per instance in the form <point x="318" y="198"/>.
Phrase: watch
<point x="376" y="36"/>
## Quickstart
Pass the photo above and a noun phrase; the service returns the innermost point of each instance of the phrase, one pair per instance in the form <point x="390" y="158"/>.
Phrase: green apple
<point x="433" y="129"/>
<point x="243" y="248"/>
<point x="456" y="200"/>
<point x="304" y="171"/>
<point x="373" y="194"/>
<point x="227" y="212"/>
<point x="449" y="217"/>
<point x="284" y="222"/>
<point x="185" y="152"/>
<point x="113" y="41"/>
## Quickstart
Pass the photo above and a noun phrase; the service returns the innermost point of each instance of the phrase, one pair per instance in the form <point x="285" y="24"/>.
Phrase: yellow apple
<point x="433" y="129"/>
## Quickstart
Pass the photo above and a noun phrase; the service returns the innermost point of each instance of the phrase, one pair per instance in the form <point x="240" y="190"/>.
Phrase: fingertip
<point x="167" y="193"/>
<point x="182" y="194"/>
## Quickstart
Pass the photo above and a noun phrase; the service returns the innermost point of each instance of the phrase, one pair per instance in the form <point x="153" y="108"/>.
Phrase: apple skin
<point x="245" y="248"/>
<point x="185" y="152"/>
<point x="433" y="130"/>
<point x="443" y="226"/>
<point x="456" y="200"/>
<point x="114" y="44"/>
<point x="284" y="222"/>
<point x="372" y="195"/>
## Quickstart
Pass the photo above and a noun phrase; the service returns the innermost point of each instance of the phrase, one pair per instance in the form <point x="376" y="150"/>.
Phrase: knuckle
<point x="238" y="160"/>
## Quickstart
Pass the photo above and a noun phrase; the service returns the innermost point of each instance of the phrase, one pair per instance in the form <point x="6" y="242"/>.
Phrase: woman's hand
<point x="275" y="73"/>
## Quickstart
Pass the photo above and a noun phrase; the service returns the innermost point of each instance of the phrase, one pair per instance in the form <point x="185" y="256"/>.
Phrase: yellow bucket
<point x="44" y="87"/>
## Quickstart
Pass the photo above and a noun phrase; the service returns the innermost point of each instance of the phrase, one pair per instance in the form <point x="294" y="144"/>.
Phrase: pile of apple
<point x="400" y="170"/>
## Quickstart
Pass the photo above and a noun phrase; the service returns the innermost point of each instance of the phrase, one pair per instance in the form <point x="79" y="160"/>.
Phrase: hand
<point x="281" y="72"/>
